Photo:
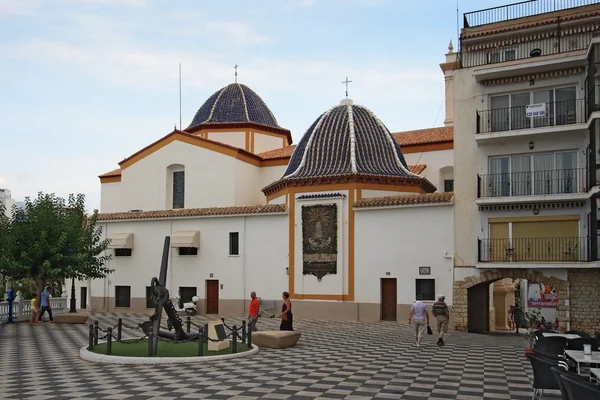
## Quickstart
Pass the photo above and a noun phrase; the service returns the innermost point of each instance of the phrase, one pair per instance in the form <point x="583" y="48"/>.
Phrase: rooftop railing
<point x="532" y="183"/>
<point x="520" y="10"/>
<point x="551" y="249"/>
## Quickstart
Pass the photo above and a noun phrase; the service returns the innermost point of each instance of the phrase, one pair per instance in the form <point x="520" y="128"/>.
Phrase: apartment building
<point x="6" y="201"/>
<point x="526" y="109"/>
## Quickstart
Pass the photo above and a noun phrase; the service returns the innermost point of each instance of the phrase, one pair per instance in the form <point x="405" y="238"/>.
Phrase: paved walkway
<point x="333" y="360"/>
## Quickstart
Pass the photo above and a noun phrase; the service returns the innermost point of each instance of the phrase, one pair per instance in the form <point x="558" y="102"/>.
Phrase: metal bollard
<point x="200" y="342"/>
<point x="244" y="332"/>
<point x="249" y="338"/>
<point x="109" y="341"/>
<point x="119" y="329"/>
<point x="234" y="343"/>
<point x="189" y="324"/>
<point x="91" y="338"/>
<point x="95" y="333"/>
<point x="150" y="344"/>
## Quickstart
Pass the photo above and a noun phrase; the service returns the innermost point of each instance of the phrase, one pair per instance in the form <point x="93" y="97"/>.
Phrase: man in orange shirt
<point x="253" y="312"/>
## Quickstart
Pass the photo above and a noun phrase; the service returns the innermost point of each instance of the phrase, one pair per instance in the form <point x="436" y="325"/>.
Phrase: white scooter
<point x="189" y="308"/>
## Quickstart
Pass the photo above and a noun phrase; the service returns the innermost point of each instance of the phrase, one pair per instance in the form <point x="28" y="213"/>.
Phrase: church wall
<point x="263" y="142"/>
<point x="262" y="252"/>
<point x="435" y="161"/>
<point x="333" y="284"/>
<point x="269" y="175"/>
<point x="110" y="197"/>
<point x="237" y="139"/>
<point x="207" y="176"/>
<point x="394" y="243"/>
<point x="247" y="184"/>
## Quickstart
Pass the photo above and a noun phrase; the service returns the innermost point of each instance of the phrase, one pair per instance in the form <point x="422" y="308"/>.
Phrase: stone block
<point x="70" y="318"/>
<point x="275" y="339"/>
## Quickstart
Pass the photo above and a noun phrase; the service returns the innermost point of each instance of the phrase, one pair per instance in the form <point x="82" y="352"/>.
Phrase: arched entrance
<point x="471" y="297"/>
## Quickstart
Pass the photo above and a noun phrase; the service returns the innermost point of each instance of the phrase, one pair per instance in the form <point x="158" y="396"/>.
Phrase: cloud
<point x="2" y="181"/>
<point x="19" y="7"/>
<point x="234" y="32"/>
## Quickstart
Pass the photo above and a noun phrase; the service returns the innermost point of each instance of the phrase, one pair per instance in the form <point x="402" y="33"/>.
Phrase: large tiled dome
<point x="235" y="103"/>
<point x="348" y="143"/>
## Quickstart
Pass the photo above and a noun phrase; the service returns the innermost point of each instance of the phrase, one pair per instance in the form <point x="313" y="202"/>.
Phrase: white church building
<point x="353" y="221"/>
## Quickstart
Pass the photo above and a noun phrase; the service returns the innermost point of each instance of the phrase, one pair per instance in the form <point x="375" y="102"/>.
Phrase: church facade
<point x="354" y="221"/>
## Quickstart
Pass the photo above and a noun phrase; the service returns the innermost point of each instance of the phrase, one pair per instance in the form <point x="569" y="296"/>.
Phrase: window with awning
<point x="185" y="239"/>
<point x="120" y="241"/>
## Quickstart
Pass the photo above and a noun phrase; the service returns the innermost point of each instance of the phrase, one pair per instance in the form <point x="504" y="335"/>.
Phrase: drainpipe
<point x="244" y="266"/>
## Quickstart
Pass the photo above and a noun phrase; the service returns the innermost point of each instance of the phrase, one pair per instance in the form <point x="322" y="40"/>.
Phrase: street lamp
<point x="73" y="307"/>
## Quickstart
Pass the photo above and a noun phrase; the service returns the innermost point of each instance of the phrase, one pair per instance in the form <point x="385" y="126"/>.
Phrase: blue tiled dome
<point x="235" y="103"/>
<point x="347" y="140"/>
<point x="348" y="143"/>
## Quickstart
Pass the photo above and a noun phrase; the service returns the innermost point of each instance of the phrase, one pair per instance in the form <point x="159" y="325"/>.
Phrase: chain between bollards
<point x="95" y="333"/>
<point x="234" y="343"/>
<point x="109" y="341"/>
<point x="200" y="342"/>
<point x="119" y="329"/>
<point x="91" y="338"/>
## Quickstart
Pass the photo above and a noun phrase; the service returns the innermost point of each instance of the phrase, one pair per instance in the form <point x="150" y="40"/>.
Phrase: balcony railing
<point x="519" y="10"/>
<point x="557" y="113"/>
<point x="533" y="183"/>
<point x="555" y="249"/>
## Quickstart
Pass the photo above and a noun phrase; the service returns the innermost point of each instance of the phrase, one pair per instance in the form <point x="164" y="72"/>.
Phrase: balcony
<point x="533" y="250"/>
<point x="536" y="183"/>
<point x="532" y="116"/>
<point x="519" y="10"/>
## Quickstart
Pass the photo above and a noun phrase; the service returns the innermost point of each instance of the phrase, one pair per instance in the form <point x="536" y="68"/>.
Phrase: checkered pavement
<point x="333" y="360"/>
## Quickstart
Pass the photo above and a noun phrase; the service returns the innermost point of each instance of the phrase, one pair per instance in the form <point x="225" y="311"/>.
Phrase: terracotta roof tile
<point x="405" y="200"/>
<point x="417" y="169"/>
<point x="285" y="152"/>
<point x="425" y="136"/>
<point x="194" y="212"/>
<point x="114" y="172"/>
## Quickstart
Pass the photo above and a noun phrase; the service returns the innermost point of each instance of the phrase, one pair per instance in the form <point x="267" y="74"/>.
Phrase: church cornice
<point x="237" y="125"/>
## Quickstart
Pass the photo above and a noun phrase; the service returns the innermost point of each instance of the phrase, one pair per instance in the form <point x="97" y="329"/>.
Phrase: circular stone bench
<point x="275" y="339"/>
<point x="72" y="318"/>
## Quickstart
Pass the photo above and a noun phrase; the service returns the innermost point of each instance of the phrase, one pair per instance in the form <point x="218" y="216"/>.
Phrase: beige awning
<point x="185" y="239"/>
<point x="120" y="241"/>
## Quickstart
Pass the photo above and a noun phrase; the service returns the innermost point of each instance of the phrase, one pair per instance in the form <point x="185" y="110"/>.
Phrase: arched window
<point x="447" y="179"/>
<point x="176" y="186"/>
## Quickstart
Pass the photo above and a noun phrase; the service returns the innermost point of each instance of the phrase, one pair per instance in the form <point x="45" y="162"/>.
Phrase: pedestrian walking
<point x="419" y="318"/>
<point x="442" y="314"/>
<point x="287" y="318"/>
<point x="34" y="310"/>
<point x="45" y="304"/>
<point x="253" y="312"/>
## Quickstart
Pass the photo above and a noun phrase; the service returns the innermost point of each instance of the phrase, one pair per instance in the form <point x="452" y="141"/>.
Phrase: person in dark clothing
<point x="286" y="313"/>
<point x="517" y="315"/>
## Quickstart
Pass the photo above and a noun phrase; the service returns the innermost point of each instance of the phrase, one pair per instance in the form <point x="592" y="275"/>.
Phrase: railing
<point x="519" y="10"/>
<point x="22" y="308"/>
<point x="557" y="113"/>
<point x="556" y="249"/>
<point x="534" y="183"/>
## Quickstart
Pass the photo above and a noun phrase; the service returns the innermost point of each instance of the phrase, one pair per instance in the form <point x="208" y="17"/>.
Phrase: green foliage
<point x="52" y="239"/>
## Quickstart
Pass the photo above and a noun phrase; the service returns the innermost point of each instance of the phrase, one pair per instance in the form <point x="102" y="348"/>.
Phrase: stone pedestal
<point x="275" y="339"/>
<point x="216" y="331"/>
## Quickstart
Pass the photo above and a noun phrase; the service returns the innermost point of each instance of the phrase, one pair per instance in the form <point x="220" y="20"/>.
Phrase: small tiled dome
<point x="347" y="140"/>
<point x="235" y="103"/>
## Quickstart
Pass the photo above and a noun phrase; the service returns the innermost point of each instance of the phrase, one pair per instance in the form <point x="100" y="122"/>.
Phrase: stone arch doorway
<point x="471" y="297"/>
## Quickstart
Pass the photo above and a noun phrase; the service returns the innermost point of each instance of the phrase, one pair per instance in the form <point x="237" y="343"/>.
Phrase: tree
<point x="53" y="239"/>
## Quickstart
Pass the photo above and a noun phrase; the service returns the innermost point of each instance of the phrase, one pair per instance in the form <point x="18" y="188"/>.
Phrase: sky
<point x="86" y="83"/>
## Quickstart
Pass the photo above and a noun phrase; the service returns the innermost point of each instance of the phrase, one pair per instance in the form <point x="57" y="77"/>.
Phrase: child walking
<point x="35" y="310"/>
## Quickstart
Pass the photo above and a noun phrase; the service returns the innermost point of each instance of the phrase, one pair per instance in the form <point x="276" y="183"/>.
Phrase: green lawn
<point x="165" y="349"/>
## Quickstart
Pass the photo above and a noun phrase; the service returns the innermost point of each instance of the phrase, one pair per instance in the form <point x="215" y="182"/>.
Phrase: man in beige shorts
<point x="441" y="313"/>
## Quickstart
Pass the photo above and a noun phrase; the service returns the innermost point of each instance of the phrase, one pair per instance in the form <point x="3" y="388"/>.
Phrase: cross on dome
<point x="346" y="82"/>
<point x="235" y="67"/>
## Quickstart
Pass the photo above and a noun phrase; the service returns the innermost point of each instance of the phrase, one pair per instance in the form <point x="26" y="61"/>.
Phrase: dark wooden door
<point x="186" y="293"/>
<point x="212" y="296"/>
<point x="83" y="298"/>
<point x="388" y="299"/>
<point x="478" y="308"/>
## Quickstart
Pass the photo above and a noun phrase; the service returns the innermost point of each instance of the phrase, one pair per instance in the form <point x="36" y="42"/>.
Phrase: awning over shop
<point x="185" y="239"/>
<point x="120" y="241"/>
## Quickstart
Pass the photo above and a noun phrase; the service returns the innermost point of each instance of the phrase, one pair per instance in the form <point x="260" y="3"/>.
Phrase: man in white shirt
<point x="419" y="318"/>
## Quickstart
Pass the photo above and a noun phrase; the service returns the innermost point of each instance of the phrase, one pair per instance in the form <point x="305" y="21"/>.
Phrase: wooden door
<point x="478" y="306"/>
<point x="388" y="299"/>
<point x="83" y="298"/>
<point x="212" y="296"/>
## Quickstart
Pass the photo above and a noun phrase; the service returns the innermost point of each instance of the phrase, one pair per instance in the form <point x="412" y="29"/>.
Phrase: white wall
<point x="237" y="139"/>
<point x="330" y="284"/>
<point x="264" y="142"/>
<point x="435" y="161"/>
<point x="263" y="252"/>
<point x="399" y="241"/>
<point x="269" y="175"/>
<point x="110" y="197"/>
<point x="247" y="185"/>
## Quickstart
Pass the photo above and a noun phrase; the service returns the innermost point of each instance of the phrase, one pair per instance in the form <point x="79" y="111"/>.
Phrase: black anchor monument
<point x="161" y="298"/>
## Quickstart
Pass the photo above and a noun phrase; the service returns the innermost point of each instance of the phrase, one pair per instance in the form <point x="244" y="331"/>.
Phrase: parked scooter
<point x="188" y="308"/>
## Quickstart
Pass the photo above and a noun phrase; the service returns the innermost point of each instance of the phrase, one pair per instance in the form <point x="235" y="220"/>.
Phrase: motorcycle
<point x="189" y="308"/>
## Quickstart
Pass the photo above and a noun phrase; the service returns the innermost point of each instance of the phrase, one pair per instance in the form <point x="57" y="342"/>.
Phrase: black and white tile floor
<point x="333" y="360"/>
